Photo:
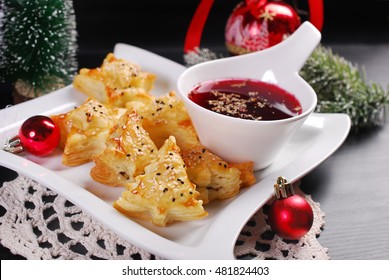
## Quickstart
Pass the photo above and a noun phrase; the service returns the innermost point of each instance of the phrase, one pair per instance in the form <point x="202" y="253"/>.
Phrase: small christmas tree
<point x="37" y="45"/>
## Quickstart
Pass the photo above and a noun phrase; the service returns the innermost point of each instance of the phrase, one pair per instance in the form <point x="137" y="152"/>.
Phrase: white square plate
<point x="213" y="237"/>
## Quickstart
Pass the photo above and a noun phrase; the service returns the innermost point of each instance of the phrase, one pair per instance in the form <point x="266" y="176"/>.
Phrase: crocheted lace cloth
<point x="40" y="224"/>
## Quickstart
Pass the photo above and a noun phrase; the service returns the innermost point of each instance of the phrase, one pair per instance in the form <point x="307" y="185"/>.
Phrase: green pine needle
<point x="38" y="42"/>
<point x="341" y="87"/>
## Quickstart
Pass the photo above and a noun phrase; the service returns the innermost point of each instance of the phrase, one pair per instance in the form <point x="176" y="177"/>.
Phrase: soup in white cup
<point x="237" y="139"/>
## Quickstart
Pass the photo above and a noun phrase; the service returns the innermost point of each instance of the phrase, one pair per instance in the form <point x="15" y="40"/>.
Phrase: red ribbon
<point x="195" y="30"/>
<point x="316" y="12"/>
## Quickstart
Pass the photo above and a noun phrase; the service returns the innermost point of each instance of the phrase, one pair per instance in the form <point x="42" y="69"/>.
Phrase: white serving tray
<point x="213" y="237"/>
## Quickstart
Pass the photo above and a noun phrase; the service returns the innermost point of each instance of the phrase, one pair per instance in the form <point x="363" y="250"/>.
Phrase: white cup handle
<point x="296" y="49"/>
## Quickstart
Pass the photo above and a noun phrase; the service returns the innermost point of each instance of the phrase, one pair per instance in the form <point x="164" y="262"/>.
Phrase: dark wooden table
<point x="352" y="185"/>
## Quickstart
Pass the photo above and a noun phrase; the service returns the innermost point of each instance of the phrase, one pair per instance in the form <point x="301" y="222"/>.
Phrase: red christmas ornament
<point x="38" y="135"/>
<point x="290" y="216"/>
<point x="258" y="24"/>
<point x="253" y="25"/>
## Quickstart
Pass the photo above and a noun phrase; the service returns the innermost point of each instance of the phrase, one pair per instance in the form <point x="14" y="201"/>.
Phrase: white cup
<point x="241" y="140"/>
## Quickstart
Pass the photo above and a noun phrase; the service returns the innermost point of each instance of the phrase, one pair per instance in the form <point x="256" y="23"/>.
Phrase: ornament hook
<point x="14" y="145"/>
<point x="283" y="188"/>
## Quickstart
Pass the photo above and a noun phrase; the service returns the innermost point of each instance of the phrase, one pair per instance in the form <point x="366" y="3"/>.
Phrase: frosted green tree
<point x="37" y="44"/>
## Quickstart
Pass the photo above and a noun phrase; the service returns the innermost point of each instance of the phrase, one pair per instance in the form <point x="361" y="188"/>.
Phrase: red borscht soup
<point x="246" y="99"/>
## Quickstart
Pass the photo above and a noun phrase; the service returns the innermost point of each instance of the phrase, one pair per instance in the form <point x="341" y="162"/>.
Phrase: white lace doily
<point x="40" y="224"/>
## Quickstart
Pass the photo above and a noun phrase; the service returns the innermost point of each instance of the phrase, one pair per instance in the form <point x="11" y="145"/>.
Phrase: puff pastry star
<point x="164" y="193"/>
<point x="128" y="151"/>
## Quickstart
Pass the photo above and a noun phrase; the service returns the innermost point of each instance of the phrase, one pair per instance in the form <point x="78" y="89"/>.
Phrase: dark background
<point x="160" y="27"/>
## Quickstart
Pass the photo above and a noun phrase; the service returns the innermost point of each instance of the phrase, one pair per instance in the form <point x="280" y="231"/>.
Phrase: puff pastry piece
<point x="167" y="116"/>
<point x="116" y="82"/>
<point x="164" y="194"/>
<point x="246" y="173"/>
<point x="128" y="151"/>
<point x="84" y="131"/>
<point x="214" y="177"/>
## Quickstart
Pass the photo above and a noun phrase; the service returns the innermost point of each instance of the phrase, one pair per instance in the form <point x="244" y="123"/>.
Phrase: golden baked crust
<point x="214" y="177"/>
<point x="84" y="131"/>
<point x="167" y="116"/>
<point x="246" y="170"/>
<point x="128" y="150"/>
<point x="116" y="82"/>
<point x="164" y="194"/>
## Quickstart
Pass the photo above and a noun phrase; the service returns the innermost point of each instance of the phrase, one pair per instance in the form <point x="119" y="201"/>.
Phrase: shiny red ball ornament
<point x="39" y="135"/>
<point x="290" y="216"/>
<point x="259" y="24"/>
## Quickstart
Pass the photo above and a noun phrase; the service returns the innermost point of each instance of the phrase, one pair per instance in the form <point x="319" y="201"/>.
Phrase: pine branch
<point x="342" y="88"/>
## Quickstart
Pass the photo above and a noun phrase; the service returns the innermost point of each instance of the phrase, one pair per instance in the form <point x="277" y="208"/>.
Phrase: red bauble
<point x="258" y="24"/>
<point x="39" y="135"/>
<point x="290" y="216"/>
